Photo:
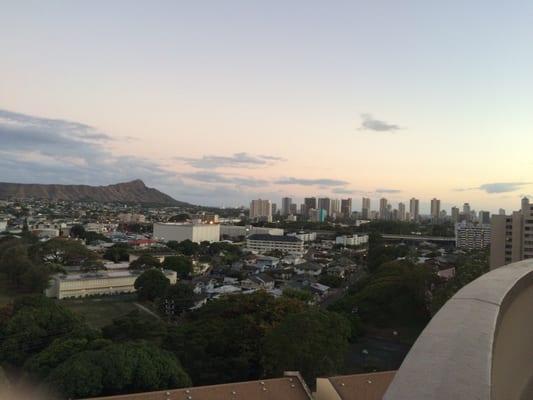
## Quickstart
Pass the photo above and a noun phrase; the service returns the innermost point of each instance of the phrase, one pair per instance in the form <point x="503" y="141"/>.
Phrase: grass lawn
<point x="101" y="311"/>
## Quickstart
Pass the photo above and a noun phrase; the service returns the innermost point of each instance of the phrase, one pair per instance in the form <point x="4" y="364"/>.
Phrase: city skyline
<point x="220" y="104"/>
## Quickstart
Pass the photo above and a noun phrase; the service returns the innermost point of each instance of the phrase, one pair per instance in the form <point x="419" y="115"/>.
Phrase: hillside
<point x="131" y="192"/>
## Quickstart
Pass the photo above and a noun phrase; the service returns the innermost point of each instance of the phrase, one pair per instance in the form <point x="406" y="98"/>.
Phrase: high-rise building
<point x="466" y="208"/>
<point x="261" y="210"/>
<point x="501" y="211"/>
<point x="303" y="209"/>
<point x="401" y="212"/>
<point x="455" y="214"/>
<point x="286" y="203"/>
<point x="484" y="217"/>
<point x="383" y="208"/>
<point x="435" y="209"/>
<point x="274" y="208"/>
<point x="346" y="207"/>
<point x="335" y="206"/>
<point x="324" y="203"/>
<point x="293" y="209"/>
<point x="317" y="215"/>
<point x="414" y="209"/>
<point x="310" y="203"/>
<point x="512" y="236"/>
<point x="365" y="208"/>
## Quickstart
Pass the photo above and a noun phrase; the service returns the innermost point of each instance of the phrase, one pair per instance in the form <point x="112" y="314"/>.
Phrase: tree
<point x="188" y="247"/>
<point x="116" y="369"/>
<point x="222" y="341"/>
<point x="331" y="281"/>
<point x="61" y="251"/>
<point x="133" y="326"/>
<point x="177" y="299"/>
<point x="151" y="284"/>
<point x="118" y="252"/>
<point x="181" y="264"/>
<point x="298" y="294"/>
<point x="312" y="342"/>
<point x="145" y="261"/>
<point x="36" y="322"/>
<point x="77" y="231"/>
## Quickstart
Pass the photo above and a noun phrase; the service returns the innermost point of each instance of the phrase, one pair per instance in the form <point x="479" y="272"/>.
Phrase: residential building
<point x="293" y="209"/>
<point x="383" y="208"/>
<point x="186" y="231"/>
<point x="501" y="211"/>
<point x="325" y="204"/>
<point x="401" y="212"/>
<point x="455" y="214"/>
<point x="310" y="203"/>
<point x="435" y="209"/>
<point x="319" y="215"/>
<point x="414" y="209"/>
<point x="96" y="283"/>
<point x="335" y="207"/>
<point x="365" y="208"/>
<point x="351" y="240"/>
<point x="263" y="243"/>
<point x="237" y="231"/>
<point x="484" y="217"/>
<point x="512" y="236"/>
<point x="261" y="210"/>
<point x="472" y="236"/>
<point x="3" y="225"/>
<point x="130" y="218"/>
<point x="274" y="209"/>
<point x="205" y="218"/>
<point x="286" y="203"/>
<point x="304" y="236"/>
<point x="346" y="207"/>
<point x="308" y="268"/>
<point x="303" y="209"/>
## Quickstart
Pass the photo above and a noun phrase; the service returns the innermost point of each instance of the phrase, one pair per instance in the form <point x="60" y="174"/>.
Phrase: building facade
<point x="414" y="209"/>
<point x="471" y="236"/>
<point x="186" y="231"/>
<point x="365" y="208"/>
<point x="346" y="207"/>
<point x="512" y="236"/>
<point x="263" y="243"/>
<point x="261" y="210"/>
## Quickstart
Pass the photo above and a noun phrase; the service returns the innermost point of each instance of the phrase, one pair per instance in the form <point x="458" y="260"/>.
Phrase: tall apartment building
<point x="286" y="203"/>
<point x="325" y="204"/>
<point x="512" y="236"/>
<point x="335" y="206"/>
<point x="346" y="207"/>
<point x="383" y="208"/>
<point x="293" y="209"/>
<point x="470" y="236"/>
<point x="414" y="209"/>
<point x="401" y="212"/>
<point x="435" y="209"/>
<point x="365" y="208"/>
<point x="310" y="203"/>
<point x="455" y="214"/>
<point x="261" y="210"/>
<point x="484" y="217"/>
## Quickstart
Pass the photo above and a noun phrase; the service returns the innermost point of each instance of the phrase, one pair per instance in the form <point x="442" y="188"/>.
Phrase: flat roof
<point x="371" y="386"/>
<point x="273" y="238"/>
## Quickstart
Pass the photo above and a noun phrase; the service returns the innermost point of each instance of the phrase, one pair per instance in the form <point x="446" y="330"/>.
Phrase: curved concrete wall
<point x="478" y="346"/>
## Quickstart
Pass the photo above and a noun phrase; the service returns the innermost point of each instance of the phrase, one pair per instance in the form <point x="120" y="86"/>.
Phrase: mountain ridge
<point x="134" y="191"/>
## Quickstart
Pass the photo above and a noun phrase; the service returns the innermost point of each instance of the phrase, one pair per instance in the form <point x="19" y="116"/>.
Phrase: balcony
<point x="478" y="346"/>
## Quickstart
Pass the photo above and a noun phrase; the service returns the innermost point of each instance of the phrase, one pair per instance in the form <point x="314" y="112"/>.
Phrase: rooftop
<point x="273" y="238"/>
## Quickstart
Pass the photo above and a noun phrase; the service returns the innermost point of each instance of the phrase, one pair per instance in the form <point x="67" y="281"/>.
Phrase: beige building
<point x="96" y="283"/>
<point x="186" y="231"/>
<point x="263" y="243"/>
<point x="435" y="209"/>
<point x="471" y="236"/>
<point x="414" y="209"/>
<point x="512" y="236"/>
<point x="261" y="210"/>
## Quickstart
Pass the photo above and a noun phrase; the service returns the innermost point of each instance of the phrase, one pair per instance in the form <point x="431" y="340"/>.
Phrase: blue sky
<point x="220" y="102"/>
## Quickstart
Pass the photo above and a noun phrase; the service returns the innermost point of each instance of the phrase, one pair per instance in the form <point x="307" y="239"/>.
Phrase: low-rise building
<point x="263" y="243"/>
<point x="238" y="231"/>
<point x="304" y="236"/>
<point x="308" y="268"/>
<point x="351" y="240"/>
<point x="96" y="283"/>
<point x="186" y="231"/>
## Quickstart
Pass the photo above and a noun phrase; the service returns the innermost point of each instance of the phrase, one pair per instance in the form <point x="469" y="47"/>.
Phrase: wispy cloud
<point x="497" y="187"/>
<point x="368" y="122"/>
<point x="310" y="182"/>
<point x="339" y="190"/>
<point x="385" y="190"/>
<point x="237" y="160"/>
<point x="214" y="177"/>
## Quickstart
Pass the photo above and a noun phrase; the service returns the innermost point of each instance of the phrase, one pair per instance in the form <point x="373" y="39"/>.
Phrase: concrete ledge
<point x="454" y="357"/>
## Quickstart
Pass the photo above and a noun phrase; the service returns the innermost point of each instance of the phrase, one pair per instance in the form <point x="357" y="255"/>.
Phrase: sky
<point x="220" y="102"/>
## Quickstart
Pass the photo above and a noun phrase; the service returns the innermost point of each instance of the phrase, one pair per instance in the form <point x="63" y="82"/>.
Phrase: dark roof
<point x="289" y="388"/>
<point x="311" y="266"/>
<point x="273" y="238"/>
<point x="370" y="386"/>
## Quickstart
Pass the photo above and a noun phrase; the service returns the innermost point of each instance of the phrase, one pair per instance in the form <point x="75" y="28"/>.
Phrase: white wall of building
<point x="180" y="232"/>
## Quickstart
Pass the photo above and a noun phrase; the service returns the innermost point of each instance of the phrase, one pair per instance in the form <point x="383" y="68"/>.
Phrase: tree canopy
<point x="151" y="284"/>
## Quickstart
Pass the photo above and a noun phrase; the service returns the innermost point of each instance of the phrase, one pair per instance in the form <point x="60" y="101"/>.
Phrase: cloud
<point x="237" y="160"/>
<point x="344" y="191"/>
<point x="383" y="190"/>
<point x="43" y="150"/>
<point x="498" y="187"/>
<point x="372" y="124"/>
<point x="214" y="177"/>
<point x="310" y="182"/>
